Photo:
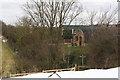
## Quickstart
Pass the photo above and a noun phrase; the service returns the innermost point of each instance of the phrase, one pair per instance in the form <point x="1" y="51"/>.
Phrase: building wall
<point x="78" y="39"/>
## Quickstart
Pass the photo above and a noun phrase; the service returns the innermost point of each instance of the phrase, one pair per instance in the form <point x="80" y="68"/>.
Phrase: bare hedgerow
<point x="103" y="48"/>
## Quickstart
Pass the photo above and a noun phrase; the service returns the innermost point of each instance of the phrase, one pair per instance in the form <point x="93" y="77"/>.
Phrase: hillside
<point x="6" y="59"/>
<point x="0" y="56"/>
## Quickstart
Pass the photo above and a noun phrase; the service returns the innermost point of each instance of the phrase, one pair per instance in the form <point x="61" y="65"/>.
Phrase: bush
<point x="103" y="48"/>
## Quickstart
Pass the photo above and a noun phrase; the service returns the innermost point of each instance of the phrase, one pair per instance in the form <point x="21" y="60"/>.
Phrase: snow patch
<point x="91" y="73"/>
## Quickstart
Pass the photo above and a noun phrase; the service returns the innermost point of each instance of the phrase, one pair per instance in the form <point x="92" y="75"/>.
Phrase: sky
<point x="11" y="10"/>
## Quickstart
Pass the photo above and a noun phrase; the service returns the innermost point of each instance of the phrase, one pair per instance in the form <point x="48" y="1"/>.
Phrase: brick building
<point x="76" y="35"/>
<point x="78" y="38"/>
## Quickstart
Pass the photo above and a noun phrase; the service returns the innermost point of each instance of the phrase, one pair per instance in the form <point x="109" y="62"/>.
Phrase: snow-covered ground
<point x="91" y="73"/>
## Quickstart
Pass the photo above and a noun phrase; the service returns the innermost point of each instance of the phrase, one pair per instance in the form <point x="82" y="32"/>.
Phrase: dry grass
<point x="0" y="56"/>
<point x="7" y="60"/>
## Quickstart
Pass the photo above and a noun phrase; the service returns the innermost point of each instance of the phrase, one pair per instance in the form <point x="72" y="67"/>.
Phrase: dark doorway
<point x="80" y="42"/>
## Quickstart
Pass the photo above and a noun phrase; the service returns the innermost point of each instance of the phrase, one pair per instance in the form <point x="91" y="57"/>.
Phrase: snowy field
<point x="91" y="73"/>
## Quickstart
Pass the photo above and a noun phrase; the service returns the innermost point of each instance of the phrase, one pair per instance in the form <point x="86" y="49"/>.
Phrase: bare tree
<point x="91" y="17"/>
<point x="106" y="17"/>
<point x="52" y="14"/>
<point x="24" y="21"/>
<point x="112" y="16"/>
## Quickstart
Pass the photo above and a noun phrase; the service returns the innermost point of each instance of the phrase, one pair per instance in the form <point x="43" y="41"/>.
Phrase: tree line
<point x="36" y="49"/>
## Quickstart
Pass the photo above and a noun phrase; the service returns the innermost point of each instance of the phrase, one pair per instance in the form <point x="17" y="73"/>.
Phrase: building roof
<point x="81" y="31"/>
<point x="70" y="27"/>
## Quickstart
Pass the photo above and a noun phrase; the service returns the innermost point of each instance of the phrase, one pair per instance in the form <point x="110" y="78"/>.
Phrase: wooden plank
<point x="44" y="71"/>
<point x="58" y="70"/>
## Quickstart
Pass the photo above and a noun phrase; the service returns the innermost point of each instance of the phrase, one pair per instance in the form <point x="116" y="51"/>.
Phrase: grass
<point x="6" y="59"/>
<point x="80" y="49"/>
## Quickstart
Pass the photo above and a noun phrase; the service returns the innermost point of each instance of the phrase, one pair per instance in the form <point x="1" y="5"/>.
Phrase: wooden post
<point x="76" y="67"/>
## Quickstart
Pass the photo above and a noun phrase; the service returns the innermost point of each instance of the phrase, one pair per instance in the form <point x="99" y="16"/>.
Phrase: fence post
<point x="76" y="67"/>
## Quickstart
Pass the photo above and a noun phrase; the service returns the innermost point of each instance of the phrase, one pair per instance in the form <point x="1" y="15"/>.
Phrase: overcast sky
<point x="10" y="10"/>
